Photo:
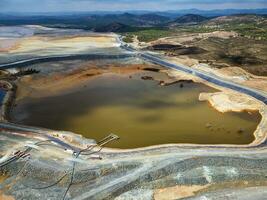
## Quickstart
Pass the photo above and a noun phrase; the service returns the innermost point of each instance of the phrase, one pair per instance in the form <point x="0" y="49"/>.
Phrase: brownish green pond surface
<point x="140" y="112"/>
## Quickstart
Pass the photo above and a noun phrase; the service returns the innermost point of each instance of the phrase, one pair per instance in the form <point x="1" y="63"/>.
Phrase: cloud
<point x="94" y="5"/>
<point x="3" y="3"/>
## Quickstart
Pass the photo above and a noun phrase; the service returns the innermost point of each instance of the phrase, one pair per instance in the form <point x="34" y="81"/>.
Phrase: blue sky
<point x="120" y="5"/>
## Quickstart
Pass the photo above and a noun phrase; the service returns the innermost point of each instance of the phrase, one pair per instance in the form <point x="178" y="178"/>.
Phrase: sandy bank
<point x="230" y="101"/>
<point x="66" y="81"/>
<point x="23" y="39"/>
<point x="237" y="102"/>
<point x="71" y="44"/>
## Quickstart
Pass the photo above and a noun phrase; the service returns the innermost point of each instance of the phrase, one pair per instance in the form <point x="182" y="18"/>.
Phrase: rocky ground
<point x="161" y="172"/>
<point x="219" y="49"/>
<point x="165" y="172"/>
<point x="44" y="164"/>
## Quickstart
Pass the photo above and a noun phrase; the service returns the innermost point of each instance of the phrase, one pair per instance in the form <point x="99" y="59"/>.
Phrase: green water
<point x="140" y="112"/>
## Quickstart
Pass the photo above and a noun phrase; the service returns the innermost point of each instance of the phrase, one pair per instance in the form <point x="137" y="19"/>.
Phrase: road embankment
<point x="8" y="93"/>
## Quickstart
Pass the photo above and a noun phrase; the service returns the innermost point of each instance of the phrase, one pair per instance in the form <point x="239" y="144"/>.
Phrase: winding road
<point x="143" y="55"/>
<point x="140" y="173"/>
<point x="203" y="75"/>
<point x="149" y="57"/>
<point x="31" y="61"/>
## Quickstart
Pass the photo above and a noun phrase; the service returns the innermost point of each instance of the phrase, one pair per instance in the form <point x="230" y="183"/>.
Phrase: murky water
<point x="140" y="111"/>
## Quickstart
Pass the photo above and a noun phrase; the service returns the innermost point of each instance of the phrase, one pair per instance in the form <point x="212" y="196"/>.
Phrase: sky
<point x="124" y="5"/>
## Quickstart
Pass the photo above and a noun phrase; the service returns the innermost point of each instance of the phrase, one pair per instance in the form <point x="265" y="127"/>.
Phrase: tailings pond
<point x="140" y="112"/>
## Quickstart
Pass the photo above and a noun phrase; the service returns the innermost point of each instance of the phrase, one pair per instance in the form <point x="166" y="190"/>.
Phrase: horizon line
<point x="136" y="10"/>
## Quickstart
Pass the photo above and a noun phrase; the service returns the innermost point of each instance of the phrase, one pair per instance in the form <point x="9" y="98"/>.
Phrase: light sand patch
<point x="177" y="192"/>
<point x="184" y="60"/>
<point x="2" y="195"/>
<point x="237" y="75"/>
<point x="5" y="197"/>
<point x="230" y="101"/>
<point x="74" y="44"/>
<point x="2" y="178"/>
<point x="185" y="38"/>
<point x="233" y="74"/>
<point x="7" y="44"/>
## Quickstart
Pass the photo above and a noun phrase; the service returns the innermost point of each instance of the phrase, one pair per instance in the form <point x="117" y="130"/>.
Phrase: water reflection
<point x="141" y="112"/>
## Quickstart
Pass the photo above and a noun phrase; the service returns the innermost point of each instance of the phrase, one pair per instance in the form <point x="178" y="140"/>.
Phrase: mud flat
<point x="37" y="41"/>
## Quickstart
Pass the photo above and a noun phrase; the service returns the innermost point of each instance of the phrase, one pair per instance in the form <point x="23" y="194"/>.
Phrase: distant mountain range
<point x="114" y="27"/>
<point x="169" y="13"/>
<point x="124" y="22"/>
<point x="88" y="21"/>
<point x="213" y="13"/>
<point x="147" y="20"/>
<point x="189" y="18"/>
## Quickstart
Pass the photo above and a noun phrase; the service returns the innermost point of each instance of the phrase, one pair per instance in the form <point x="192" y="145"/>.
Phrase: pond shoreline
<point x="54" y="158"/>
<point x="258" y="134"/>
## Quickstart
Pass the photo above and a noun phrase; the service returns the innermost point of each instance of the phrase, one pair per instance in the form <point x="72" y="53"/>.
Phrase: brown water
<point x="141" y="112"/>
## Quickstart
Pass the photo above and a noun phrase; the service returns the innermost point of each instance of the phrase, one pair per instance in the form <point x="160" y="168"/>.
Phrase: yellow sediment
<point x="75" y="43"/>
<point x="60" y="82"/>
<point x="177" y="192"/>
<point x="228" y="100"/>
<point x="5" y="197"/>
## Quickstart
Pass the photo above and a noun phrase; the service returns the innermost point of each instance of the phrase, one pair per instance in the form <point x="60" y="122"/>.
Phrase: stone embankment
<point x="8" y="93"/>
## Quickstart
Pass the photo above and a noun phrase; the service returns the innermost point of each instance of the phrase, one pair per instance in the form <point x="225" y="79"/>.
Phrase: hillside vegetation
<point x="249" y="26"/>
